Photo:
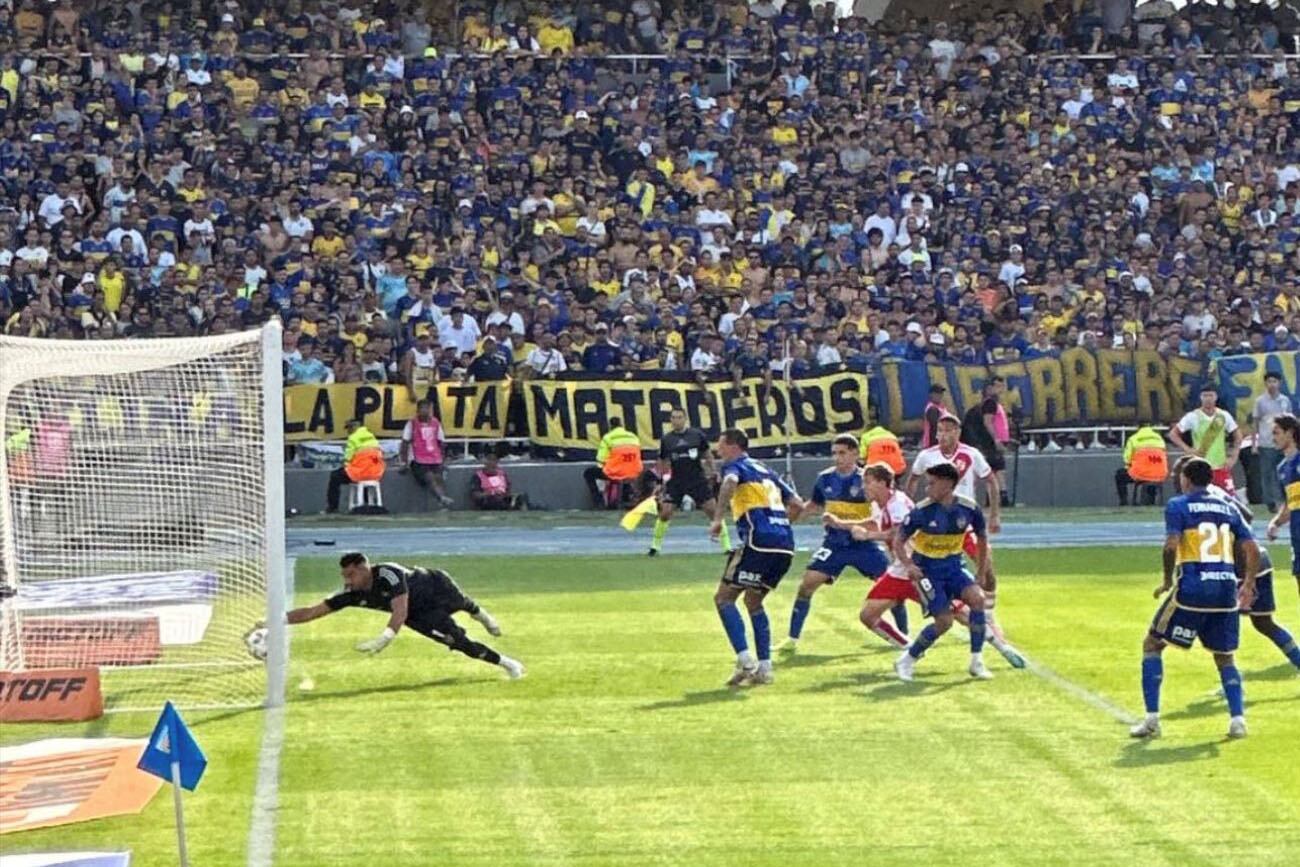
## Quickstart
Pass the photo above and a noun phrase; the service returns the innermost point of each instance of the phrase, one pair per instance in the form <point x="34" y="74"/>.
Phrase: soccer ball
<point x="256" y="643"/>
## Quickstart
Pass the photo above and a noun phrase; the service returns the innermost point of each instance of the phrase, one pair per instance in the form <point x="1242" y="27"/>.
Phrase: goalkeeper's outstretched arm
<point x="308" y="613"/>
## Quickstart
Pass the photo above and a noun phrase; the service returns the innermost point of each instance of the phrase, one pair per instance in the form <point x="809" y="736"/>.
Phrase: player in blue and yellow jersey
<point x="763" y="506"/>
<point x="1286" y="435"/>
<point x="842" y="495"/>
<point x="1202" y="534"/>
<point x="937" y="530"/>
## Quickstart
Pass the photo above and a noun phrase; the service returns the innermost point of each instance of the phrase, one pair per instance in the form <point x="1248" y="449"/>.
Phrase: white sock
<point x="977" y="657"/>
<point x="765" y="665"/>
<point x="1153" y="717"/>
<point x="745" y="659"/>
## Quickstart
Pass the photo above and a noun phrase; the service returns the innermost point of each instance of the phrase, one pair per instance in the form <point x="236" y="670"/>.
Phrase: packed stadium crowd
<point x="419" y="199"/>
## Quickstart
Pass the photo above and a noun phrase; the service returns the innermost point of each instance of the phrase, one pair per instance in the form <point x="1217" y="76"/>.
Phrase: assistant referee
<point x="686" y="461"/>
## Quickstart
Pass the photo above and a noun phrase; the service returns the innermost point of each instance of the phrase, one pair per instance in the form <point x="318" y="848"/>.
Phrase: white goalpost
<point x="142" y="515"/>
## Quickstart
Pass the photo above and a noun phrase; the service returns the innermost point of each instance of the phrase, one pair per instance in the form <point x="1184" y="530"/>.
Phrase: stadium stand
<point x="658" y="185"/>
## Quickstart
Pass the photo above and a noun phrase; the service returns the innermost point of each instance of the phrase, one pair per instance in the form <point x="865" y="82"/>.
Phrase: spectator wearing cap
<point x="604" y="354"/>
<point x="492" y="363"/>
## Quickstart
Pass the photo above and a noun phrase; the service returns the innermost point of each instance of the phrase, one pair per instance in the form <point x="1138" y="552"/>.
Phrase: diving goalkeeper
<point x="421" y="599"/>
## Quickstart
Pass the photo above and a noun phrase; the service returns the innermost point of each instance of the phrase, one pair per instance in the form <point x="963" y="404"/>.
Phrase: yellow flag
<point x="632" y="519"/>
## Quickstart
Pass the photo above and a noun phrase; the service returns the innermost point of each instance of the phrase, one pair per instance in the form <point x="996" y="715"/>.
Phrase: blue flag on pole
<point x="171" y="741"/>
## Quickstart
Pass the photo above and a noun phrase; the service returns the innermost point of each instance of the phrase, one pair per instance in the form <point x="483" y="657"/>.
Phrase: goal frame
<point x="270" y="340"/>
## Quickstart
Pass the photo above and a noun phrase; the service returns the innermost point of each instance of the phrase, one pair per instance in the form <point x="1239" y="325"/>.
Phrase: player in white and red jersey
<point x="895" y="587"/>
<point x="891" y="507"/>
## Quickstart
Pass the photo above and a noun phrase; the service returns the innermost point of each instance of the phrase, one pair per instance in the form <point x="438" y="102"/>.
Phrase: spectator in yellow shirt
<point x="244" y="89"/>
<point x="112" y="283"/>
<point x="554" y="35"/>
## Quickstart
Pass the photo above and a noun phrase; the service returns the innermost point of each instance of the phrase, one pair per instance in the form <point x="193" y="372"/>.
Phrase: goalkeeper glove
<point x="375" y="645"/>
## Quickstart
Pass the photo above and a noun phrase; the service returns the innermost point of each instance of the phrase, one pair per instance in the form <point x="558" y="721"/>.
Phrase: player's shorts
<point x="1264" y="602"/>
<point x="996" y="458"/>
<point x="894" y="588"/>
<point x="971" y="545"/>
<point x="753" y="569"/>
<point x="867" y="557"/>
<point x="439" y="626"/>
<point x="1218" y="630"/>
<point x="1223" y="478"/>
<point x="698" y="489"/>
<point x="938" y="591"/>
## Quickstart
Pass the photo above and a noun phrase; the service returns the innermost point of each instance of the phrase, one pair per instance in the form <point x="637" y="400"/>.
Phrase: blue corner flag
<point x="171" y="741"/>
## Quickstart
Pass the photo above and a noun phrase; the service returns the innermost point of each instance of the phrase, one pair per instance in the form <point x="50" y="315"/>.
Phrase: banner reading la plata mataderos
<point x="320" y="412"/>
<point x="573" y="411"/>
<point x="1107" y="386"/>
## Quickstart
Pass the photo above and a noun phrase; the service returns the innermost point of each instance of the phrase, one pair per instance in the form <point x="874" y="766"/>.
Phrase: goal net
<point x="142" y="515"/>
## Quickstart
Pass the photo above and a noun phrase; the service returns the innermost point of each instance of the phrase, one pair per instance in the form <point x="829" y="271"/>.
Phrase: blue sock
<point x="976" y="631"/>
<point x="735" y="626"/>
<point x="900" y="616"/>
<point x="923" y="641"/>
<point x="798" y="615"/>
<point x="1153" y="671"/>
<point x="1286" y="644"/>
<point x="1232" y="691"/>
<point x="762" y="634"/>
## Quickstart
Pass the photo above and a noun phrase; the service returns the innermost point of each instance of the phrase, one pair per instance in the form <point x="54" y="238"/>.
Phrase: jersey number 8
<point x="1216" y="542"/>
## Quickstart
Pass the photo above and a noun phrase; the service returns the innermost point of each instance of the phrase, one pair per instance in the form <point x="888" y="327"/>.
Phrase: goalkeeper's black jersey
<point x="391" y="580"/>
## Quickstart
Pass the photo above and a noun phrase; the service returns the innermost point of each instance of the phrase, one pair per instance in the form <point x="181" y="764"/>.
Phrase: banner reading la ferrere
<point x="320" y="412"/>
<point x="573" y="412"/>
<point x="1107" y="386"/>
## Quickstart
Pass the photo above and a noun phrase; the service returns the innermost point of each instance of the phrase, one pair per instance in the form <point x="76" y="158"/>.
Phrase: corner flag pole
<point x="180" y="812"/>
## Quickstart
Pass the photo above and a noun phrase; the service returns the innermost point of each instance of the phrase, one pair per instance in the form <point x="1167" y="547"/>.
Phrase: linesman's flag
<point x="632" y="519"/>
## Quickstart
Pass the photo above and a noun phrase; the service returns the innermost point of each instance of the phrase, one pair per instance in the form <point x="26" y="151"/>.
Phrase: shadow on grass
<point x="894" y="688"/>
<point x="857" y="680"/>
<point x="694" y="699"/>
<point x="804" y="660"/>
<point x="1216" y="706"/>
<point x="1143" y="754"/>
<point x="301" y="697"/>
<point x="1283" y="671"/>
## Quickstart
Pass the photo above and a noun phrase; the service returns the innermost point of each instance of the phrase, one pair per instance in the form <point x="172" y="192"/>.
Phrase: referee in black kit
<point x="422" y="599"/>
<point x="685" y="458"/>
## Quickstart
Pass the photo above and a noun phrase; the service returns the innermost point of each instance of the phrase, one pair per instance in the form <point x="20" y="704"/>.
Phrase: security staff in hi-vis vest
<point x="880" y="446"/>
<point x="1146" y="466"/>
<point x="618" y="459"/>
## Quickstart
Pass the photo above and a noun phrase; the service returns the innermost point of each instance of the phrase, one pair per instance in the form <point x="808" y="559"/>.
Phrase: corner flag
<point x="170" y="742"/>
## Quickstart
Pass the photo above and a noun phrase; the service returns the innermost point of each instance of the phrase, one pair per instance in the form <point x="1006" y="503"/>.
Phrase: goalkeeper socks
<point x="661" y="528"/>
<point x="1286" y="644"/>
<point x="899" y="613"/>
<point x="724" y="538"/>
<point x="1232" y="690"/>
<point x="762" y="634"/>
<point x="474" y="650"/>
<point x="1153" y="671"/>
<point x="735" y="627"/>
<point x="976" y="631"/>
<point x="929" y="635"/>
<point x="798" y="614"/>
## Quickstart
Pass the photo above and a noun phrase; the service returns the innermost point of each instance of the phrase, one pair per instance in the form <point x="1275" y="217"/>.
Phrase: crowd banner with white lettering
<point x="1107" y="386"/>
<point x="320" y="412"/>
<point x="1240" y="379"/>
<point x="572" y="412"/>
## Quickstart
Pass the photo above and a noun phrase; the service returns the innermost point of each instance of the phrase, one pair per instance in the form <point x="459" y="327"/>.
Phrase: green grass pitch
<point x="622" y="747"/>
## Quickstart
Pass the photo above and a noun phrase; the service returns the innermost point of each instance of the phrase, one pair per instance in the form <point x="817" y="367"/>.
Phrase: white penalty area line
<point x="266" y="796"/>
<point x="1082" y="693"/>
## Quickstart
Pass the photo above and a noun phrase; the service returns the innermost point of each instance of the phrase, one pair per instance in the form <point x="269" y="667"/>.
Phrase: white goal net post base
<point x="142" y="515"/>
